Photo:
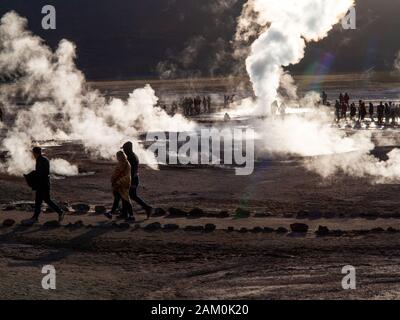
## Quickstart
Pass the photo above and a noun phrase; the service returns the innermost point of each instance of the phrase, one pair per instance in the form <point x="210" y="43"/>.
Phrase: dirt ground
<point x="105" y="260"/>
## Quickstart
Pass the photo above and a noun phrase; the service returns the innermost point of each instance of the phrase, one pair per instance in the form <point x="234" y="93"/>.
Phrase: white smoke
<point x="61" y="106"/>
<point x="292" y="24"/>
<point x="63" y="168"/>
<point x="283" y="29"/>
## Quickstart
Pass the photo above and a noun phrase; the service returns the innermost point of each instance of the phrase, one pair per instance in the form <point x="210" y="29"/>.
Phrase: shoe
<point x="108" y="215"/>
<point x="61" y="216"/>
<point x="29" y="222"/>
<point x="149" y="211"/>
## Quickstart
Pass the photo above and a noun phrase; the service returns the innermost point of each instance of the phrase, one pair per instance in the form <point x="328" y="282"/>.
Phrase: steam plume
<point x="60" y="105"/>
<point x="283" y="29"/>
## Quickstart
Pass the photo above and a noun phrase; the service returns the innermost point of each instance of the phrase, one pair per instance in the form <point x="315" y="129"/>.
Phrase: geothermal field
<point x="213" y="234"/>
<point x="287" y="191"/>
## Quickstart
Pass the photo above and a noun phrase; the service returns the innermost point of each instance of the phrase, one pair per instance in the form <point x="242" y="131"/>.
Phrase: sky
<point x="126" y="39"/>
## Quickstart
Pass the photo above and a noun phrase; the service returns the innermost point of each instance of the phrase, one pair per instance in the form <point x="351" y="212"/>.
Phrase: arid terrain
<point x="237" y="244"/>
<point x="95" y="258"/>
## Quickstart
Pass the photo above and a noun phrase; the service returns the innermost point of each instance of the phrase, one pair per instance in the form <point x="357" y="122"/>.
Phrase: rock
<point x="322" y="231"/>
<point x="223" y="215"/>
<point x="100" y="210"/>
<point x="81" y="208"/>
<point x="282" y="230"/>
<point x="329" y="215"/>
<point x="337" y="233"/>
<point x="257" y="230"/>
<point x="302" y="214"/>
<point x="315" y="215"/>
<point x="194" y="228"/>
<point x="177" y="213"/>
<point x="196" y="213"/>
<point x="268" y="230"/>
<point x="360" y="232"/>
<point x="52" y="224"/>
<point x="8" y="223"/>
<point x="241" y="213"/>
<point x="78" y="224"/>
<point x="299" y="228"/>
<point x="159" y="212"/>
<point x="153" y="226"/>
<point x="171" y="227"/>
<point x="210" y="227"/>
<point x="136" y="227"/>
<point x="370" y="215"/>
<point x="391" y="230"/>
<point x="377" y="230"/>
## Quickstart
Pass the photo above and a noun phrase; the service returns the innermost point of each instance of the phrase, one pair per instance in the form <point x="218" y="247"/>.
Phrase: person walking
<point x="134" y="162"/>
<point x="121" y="183"/>
<point x="39" y="180"/>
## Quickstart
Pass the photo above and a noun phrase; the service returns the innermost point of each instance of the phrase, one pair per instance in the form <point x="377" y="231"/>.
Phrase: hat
<point x="127" y="145"/>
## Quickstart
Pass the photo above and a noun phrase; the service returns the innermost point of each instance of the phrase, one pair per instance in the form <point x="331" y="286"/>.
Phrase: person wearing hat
<point x="134" y="162"/>
<point x="40" y="182"/>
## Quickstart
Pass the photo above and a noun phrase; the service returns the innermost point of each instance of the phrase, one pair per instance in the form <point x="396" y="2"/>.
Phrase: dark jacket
<point x="134" y="162"/>
<point x="42" y="173"/>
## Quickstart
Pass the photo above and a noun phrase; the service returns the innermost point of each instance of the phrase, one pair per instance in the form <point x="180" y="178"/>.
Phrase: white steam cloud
<point x="282" y="30"/>
<point x="61" y="106"/>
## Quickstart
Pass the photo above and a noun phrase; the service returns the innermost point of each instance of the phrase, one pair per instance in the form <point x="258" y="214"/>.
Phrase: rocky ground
<point x="214" y="235"/>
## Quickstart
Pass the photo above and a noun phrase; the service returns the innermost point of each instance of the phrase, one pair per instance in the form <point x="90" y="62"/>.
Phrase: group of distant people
<point x="194" y="106"/>
<point x="124" y="184"/>
<point x="190" y="106"/>
<point x="383" y="114"/>
<point x="228" y="100"/>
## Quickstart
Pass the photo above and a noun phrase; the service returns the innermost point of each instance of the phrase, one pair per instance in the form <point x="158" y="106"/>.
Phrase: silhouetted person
<point x="363" y="111"/>
<point x="353" y="111"/>
<point x="204" y="104"/>
<point x="381" y="112"/>
<point x="134" y="162"/>
<point x="371" y="111"/>
<point x="344" y="110"/>
<point x="337" y="110"/>
<point x="324" y="97"/>
<point x="41" y="184"/>
<point x="346" y="98"/>
<point x="341" y="98"/>
<point x="387" y="113"/>
<point x="121" y="184"/>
